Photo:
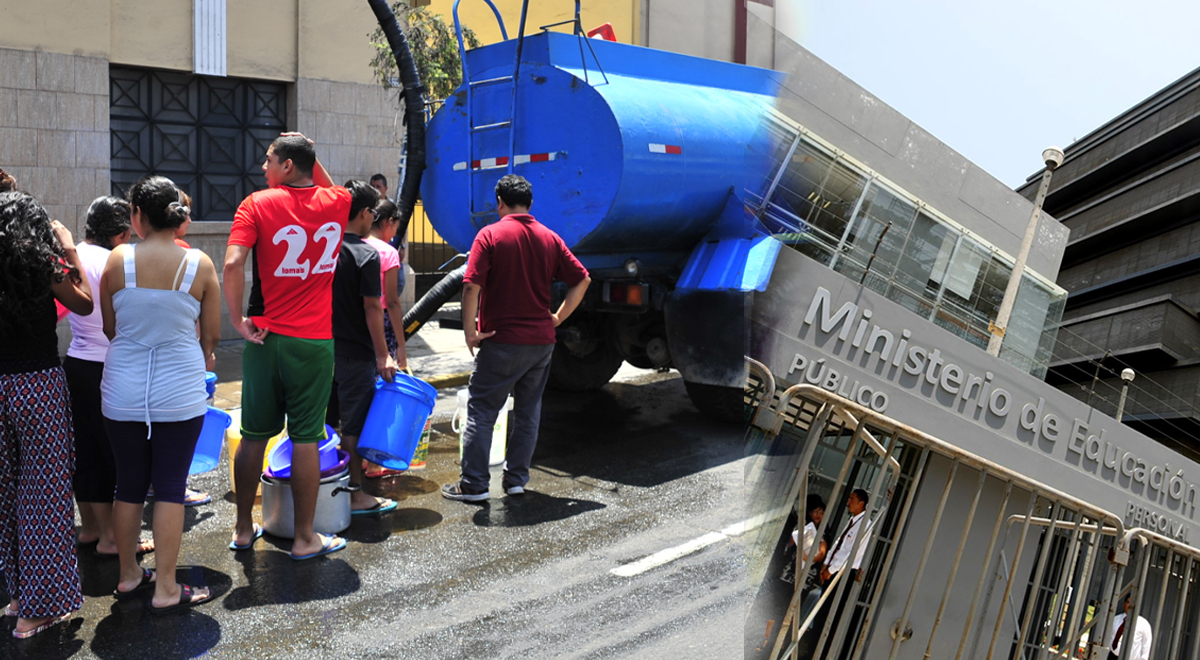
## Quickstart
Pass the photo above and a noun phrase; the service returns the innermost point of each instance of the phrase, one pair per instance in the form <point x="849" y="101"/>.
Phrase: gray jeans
<point x="500" y="370"/>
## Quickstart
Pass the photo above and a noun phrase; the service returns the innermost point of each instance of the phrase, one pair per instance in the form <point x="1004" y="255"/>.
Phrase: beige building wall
<point x="476" y="15"/>
<point x="261" y="39"/>
<point x="703" y="28"/>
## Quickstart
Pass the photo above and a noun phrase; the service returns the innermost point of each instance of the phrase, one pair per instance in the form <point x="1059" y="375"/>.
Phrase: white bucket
<point x="499" y="432"/>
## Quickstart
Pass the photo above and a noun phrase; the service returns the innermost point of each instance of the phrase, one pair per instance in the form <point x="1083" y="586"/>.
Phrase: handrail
<point x="888" y="425"/>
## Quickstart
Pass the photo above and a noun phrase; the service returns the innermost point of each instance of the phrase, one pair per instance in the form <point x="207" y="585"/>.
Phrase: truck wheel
<point x="580" y="373"/>
<point x="723" y="404"/>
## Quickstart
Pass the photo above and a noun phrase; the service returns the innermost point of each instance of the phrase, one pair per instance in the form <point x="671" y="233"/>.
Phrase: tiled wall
<point x="54" y="129"/>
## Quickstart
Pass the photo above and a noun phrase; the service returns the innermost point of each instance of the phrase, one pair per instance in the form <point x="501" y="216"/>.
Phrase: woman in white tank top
<point x="152" y="393"/>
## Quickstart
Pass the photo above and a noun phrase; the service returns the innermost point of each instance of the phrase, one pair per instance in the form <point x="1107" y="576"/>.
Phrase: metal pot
<point x="333" y="506"/>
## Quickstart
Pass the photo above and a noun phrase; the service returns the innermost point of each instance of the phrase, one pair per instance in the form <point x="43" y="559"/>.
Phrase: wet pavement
<point x="619" y="475"/>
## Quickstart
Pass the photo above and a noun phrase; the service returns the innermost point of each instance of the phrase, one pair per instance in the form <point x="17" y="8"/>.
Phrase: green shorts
<point x="286" y="375"/>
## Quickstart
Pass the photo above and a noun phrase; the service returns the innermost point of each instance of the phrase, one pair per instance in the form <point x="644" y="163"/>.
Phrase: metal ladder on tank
<point x="477" y="215"/>
<point x="507" y="124"/>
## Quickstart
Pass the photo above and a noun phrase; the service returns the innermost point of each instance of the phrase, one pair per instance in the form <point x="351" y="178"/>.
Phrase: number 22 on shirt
<point x="297" y="241"/>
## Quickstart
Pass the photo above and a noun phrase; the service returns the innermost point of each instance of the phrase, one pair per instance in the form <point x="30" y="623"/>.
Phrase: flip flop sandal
<point x="142" y="549"/>
<point x="258" y="532"/>
<point x="44" y="627"/>
<point x="146" y="583"/>
<point x="381" y="506"/>
<point x="195" y="498"/>
<point x="186" y="600"/>
<point x="330" y="544"/>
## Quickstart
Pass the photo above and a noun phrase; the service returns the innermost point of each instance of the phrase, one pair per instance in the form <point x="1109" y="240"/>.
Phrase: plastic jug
<point x="458" y="424"/>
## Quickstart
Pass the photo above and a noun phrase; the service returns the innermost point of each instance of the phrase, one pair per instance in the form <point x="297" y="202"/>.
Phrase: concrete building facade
<point x="92" y="91"/>
<point x="1130" y="193"/>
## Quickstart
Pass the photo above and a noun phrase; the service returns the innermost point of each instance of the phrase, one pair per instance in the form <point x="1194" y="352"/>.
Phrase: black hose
<point x="414" y="108"/>
<point x="431" y="302"/>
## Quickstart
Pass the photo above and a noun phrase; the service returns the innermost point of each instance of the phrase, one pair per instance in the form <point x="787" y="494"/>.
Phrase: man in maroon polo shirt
<point x="509" y="273"/>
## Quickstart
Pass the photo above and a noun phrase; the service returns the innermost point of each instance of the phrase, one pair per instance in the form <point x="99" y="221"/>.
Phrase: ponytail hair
<point x="159" y="202"/>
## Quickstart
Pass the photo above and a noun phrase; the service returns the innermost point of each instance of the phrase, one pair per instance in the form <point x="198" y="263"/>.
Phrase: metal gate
<point x="965" y="558"/>
<point x="208" y="134"/>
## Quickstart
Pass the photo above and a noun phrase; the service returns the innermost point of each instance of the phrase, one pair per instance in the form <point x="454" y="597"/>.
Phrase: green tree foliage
<point x="434" y="49"/>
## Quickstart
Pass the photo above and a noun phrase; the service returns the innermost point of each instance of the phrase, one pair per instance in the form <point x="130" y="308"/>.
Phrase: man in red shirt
<point x="509" y="272"/>
<point x="295" y="230"/>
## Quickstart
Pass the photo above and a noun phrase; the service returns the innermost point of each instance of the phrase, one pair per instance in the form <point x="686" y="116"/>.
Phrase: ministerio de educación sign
<point x="815" y="326"/>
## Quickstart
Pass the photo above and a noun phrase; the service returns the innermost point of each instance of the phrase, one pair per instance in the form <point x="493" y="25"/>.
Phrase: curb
<point x="449" y="380"/>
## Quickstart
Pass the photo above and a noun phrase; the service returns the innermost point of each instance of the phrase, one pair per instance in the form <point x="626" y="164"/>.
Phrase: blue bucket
<point x="210" y="383"/>
<point x="279" y="459"/>
<point x="395" y="421"/>
<point x="208" y="446"/>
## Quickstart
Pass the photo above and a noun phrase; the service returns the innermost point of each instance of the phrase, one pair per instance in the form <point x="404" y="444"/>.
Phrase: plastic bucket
<point x="395" y="421"/>
<point x="233" y="438"/>
<point x="210" y="384"/>
<point x="458" y="424"/>
<point x="279" y="459"/>
<point x="343" y="460"/>
<point x="208" y="445"/>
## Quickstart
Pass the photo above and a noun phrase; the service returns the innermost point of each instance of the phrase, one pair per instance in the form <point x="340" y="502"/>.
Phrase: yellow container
<point x="233" y="438"/>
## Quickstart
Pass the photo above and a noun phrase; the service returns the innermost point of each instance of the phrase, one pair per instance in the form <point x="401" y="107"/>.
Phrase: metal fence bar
<point x="889" y="561"/>
<point x="962" y="544"/>
<point x="1034" y="591"/>
<point x="1180" y="607"/>
<point x="920" y="572"/>
<point x="1084" y="587"/>
<point x="1136" y="600"/>
<point x="1162" y="594"/>
<point x="1012" y="574"/>
<point x="966" y="634"/>
<point x="869" y="529"/>
<point x="883" y="503"/>
<point x="1061" y="591"/>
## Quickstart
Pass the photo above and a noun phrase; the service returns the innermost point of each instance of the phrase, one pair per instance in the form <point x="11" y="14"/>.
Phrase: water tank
<point x="630" y="150"/>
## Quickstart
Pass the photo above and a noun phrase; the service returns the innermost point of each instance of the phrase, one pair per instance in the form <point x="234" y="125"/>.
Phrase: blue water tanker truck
<point x="642" y="160"/>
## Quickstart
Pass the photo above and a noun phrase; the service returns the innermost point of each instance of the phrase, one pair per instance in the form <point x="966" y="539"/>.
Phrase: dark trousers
<point x="158" y="455"/>
<point x="829" y="617"/>
<point x="500" y="370"/>
<point x="95" y="469"/>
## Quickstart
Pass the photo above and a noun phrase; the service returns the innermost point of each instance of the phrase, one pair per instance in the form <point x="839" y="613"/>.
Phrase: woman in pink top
<point x="383" y="230"/>
<point x="391" y="272"/>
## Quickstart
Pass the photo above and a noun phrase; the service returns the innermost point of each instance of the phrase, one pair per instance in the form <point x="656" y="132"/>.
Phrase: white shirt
<point x="841" y="553"/>
<point x="87" y="332"/>
<point x="1142" y="638"/>
<point x="810" y="535"/>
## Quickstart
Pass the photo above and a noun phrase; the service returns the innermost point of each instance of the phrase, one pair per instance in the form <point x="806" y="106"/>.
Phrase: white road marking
<point x="671" y="554"/>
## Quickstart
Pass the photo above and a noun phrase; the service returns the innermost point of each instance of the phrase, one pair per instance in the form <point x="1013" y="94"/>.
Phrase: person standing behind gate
<point x="838" y="560"/>
<point x="1141" y="636"/>
<point x="509" y="272"/>
<point x="295" y="229"/>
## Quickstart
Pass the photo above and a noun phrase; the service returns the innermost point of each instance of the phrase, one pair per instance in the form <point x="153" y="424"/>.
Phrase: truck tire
<point x="581" y="373"/>
<point x="722" y="404"/>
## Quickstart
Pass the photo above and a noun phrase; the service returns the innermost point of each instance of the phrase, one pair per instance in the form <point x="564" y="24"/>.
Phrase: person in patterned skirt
<point x="38" y="265"/>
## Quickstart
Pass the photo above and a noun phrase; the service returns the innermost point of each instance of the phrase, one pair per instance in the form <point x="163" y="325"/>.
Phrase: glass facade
<point x="840" y="213"/>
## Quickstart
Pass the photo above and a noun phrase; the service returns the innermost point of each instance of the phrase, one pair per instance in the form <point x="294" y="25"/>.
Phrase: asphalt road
<point x="620" y="476"/>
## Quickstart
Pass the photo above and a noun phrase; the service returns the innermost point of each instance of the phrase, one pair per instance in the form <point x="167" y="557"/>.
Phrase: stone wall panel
<point x="56" y="148"/>
<point x="18" y="69"/>
<point x="37" y="109"/>
<point x="55" y="72"/>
